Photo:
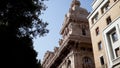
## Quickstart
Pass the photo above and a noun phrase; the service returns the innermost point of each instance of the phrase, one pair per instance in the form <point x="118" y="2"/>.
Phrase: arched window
<point x="87" y="62"/>
<point x="83" y="30"/>
<point x="69" y="64"/>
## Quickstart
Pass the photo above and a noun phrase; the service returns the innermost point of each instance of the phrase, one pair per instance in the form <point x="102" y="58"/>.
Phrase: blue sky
<point x="54" y="15"/>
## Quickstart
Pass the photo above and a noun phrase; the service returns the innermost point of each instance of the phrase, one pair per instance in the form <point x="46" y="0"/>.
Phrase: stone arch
<point x="87" y="62"/>
<point x="68" y="63"/>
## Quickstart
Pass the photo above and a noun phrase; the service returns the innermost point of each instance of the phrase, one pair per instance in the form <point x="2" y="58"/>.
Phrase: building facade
<point x="75" y="47"/>
<point x="104" y="22"/>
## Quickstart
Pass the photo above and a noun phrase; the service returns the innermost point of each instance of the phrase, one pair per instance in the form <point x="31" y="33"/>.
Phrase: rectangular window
<point x="105" y="7"/>
<point x="114" y="36"/>
<point x="117" y="52"/>
<point x="100" y="45"/>
<point x="96" y="17"/>
<point x="97" y="31"/>
<point x="92" y="20"/>
<point x="102" y="60"/>
<point x="108" y="20"/>
<point x="115" y="0"/>
<point x="83" y="31"/>
<point x="102" y="10"/>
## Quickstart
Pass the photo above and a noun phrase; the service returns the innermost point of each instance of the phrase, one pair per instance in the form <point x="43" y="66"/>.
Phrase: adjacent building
<point x="104" y="22"/>
<point x="75" y="47"/>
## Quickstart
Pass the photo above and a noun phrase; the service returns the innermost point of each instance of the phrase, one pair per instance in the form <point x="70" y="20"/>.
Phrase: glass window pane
<point x="114" y="37"/>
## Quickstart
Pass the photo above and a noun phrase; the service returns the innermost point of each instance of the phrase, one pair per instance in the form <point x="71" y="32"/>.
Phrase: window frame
<point x="108" y="20"/>
<point x="102" y="62"/>
<point x="97" y="31"/>
<point x="105" y="8"/>
<point x="114" y="36"/>
<point x="83" y="31"/>
<point x="100" y="45"/>
<point x="114" y="0"/>
<point x="95" y="18"/>
<point x="117" y="50"/>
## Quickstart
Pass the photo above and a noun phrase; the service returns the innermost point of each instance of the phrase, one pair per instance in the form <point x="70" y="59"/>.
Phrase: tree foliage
<point x="22" y="16"/>
<point x="19" y="23"/>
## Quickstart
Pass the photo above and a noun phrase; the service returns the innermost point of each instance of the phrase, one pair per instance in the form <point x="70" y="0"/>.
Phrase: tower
<point x="75" y="30"/>
<point x="75" y="48"/>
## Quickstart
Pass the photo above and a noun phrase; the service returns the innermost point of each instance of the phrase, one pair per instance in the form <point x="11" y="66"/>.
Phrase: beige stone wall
<point x="113" y="12"/>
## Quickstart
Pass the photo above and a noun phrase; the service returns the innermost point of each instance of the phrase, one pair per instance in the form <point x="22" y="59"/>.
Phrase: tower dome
<point x="75" y="2"/>
<point x="76" y="12"/>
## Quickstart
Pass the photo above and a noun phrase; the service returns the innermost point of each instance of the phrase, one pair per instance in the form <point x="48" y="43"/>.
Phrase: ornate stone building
<point x="75" y="48"/>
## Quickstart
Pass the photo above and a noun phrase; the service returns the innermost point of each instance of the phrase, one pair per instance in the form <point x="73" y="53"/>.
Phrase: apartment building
<point x="104" y="22"/>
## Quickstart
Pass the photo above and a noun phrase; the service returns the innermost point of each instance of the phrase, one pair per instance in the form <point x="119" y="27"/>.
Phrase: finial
<point x="76" y="2"/>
